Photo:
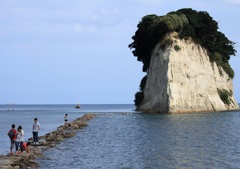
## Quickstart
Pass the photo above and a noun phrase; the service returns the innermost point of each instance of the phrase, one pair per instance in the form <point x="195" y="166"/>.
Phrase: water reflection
<point x="199" y="140"/>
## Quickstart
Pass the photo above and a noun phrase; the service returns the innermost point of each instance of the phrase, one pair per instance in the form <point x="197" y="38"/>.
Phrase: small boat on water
<point x="77" y="106"/>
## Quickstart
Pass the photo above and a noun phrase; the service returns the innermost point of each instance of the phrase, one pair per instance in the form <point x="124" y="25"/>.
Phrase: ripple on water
<point x="199" y="140"/>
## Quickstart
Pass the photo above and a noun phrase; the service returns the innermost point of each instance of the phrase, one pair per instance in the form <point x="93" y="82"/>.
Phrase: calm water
<point x="141" y="141"/>
<point x="50" y="117"/>
<point x="134" y="141"/>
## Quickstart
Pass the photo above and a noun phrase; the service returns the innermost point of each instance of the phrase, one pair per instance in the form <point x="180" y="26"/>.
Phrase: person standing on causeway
<point x="20" y="139"/>
<point x="13" y="136"/>
<point x="35" y="130"/>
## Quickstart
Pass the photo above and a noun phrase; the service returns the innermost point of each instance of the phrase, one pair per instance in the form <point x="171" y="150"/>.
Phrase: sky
<point x="69" y="51"/>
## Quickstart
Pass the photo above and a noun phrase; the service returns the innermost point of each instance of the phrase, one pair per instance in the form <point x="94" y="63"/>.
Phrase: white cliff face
<point x="184" y="81"/>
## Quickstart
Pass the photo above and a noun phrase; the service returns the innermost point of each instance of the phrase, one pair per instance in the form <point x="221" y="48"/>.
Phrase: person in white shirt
<point x="20" y="139"/>
<point x="35" y="130"/>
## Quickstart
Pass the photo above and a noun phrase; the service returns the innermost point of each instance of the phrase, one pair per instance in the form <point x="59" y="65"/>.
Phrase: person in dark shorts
<point x="20" y="139"/>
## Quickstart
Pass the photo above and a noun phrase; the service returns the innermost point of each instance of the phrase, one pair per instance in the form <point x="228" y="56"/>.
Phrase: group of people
<point x="17" y="138"/>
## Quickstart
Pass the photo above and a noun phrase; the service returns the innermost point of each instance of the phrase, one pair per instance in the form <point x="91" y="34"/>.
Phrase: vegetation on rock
<point x="188" y="23"/>
<point x="177" y="48"/>
<point x="200" y="26"/>
<point x="165" y="43"/>
<point x="224" y="95"/>
<point x="138" y="98"/>
<point x="140" y="95"/>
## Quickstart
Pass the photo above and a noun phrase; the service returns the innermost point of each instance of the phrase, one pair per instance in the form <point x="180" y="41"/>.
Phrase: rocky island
<point x="185" y="58"/>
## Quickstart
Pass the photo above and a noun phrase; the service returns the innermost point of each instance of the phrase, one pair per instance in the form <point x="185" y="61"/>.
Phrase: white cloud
<point x="78" y="28"/>
<point x="108" y="12"/>
<point x="81" y="28"/>
<point x="236" y="2"/>
<point x="92" y="29"/>
<point x="85" y="13"/>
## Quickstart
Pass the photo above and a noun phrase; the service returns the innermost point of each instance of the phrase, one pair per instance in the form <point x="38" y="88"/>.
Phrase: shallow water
<point x="50" y="117"/>
<point x="198" y="140"/>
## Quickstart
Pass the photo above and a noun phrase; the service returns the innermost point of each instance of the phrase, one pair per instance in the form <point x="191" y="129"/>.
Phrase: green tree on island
<point x="188" y="23"/>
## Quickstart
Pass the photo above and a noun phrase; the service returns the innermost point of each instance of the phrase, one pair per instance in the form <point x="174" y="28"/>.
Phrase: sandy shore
<point x="47" y="141"/>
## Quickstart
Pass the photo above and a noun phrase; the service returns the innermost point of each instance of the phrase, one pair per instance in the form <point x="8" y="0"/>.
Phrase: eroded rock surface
<point x="185" y="81"/>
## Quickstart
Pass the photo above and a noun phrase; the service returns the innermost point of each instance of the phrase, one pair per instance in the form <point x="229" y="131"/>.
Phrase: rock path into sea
<point x="47" y="141"/>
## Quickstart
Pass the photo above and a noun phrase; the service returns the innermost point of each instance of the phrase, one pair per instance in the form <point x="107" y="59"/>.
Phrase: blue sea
<point x="49" y="117"/>
<point x="134" y="140"/>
